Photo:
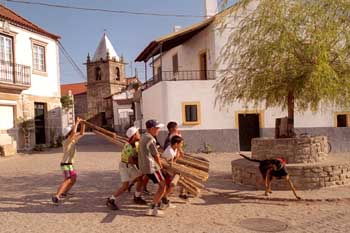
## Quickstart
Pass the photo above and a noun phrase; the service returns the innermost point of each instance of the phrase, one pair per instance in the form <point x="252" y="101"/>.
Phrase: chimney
<point x="176" y="28"/>
<point x="211" y="8"/>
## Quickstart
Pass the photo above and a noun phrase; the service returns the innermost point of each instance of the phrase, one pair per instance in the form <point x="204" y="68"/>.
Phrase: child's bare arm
<point x="82" y="131"/>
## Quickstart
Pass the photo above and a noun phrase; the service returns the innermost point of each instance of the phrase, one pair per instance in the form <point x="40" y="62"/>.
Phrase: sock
<point x="137" y="194"/>
<point x="112" y="197"/>
<point x="158" y="205"/>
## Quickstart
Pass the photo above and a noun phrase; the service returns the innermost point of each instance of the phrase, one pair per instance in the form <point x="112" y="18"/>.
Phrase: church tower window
<point x="98" y="75"/>
<point x="117" y="71"/>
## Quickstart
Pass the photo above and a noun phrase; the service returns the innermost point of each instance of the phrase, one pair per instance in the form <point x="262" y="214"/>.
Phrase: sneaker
<point x="64" y="195"/>
<point x="55" y="199"/>
<point x="164" y="206"/>
<point x="111" y="204"/>
<point x="183" y="196"/>
<point x="140" y="201"/>
<point x="154" y="212"/>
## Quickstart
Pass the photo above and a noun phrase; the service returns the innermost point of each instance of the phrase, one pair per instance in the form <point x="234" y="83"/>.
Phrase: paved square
<point x="28" y="181"/>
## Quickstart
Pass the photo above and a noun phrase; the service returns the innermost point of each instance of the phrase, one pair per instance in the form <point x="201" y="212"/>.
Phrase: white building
<point x="181" y="90"/>
<point x="29" y="84"/>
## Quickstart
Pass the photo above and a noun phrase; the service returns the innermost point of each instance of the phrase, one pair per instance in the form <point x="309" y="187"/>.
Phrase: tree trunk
<point x="291" y="114"/>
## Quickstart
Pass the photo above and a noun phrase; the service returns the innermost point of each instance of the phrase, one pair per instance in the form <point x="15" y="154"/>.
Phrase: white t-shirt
<point x="169" y="153"/>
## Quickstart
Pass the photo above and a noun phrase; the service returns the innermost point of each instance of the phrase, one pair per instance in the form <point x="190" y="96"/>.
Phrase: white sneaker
<point x="171" y="206"/>
<point x="166" y="206"/>
<point x="154" y="212"/>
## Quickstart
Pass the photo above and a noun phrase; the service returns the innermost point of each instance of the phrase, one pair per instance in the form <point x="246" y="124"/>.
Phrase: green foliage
<point x="287" y="46"/>
<point x="67" y="102"/>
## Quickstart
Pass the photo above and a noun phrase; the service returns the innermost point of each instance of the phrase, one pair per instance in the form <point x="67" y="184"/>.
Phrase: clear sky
<point x="81" y="31"/>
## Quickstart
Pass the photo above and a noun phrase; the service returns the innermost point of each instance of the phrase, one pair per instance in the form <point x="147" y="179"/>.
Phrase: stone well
<point x="308" y="163"/>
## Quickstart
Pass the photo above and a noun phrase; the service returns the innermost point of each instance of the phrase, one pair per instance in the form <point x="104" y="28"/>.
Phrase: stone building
<point x="105" y="76"/>
<point x="30" y="107"/>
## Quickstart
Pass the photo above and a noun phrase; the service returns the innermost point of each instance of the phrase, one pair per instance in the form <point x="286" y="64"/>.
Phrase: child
<point x="70" y="175"/>
<point x="150" y="164"/>
<point x="128" y="170"/>
<point x="173" y="129"/>
<point x="171" y="153"/>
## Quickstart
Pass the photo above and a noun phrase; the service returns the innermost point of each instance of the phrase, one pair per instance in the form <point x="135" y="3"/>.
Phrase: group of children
<point x="140" y="162"/>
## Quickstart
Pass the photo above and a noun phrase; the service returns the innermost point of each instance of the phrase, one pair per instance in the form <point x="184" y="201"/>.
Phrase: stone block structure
<point x="308" y="163"/>
<point x="294" y="150"/>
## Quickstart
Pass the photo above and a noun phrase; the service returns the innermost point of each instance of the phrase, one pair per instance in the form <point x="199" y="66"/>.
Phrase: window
<point x="191" y="113"/>
<point x="342" y="120"/>
<point x="175" y="64"/>
<point x="117" y="71"/>
<point x="6" y="58"/>
<point x="6" y="48"/>
<point x="39" y="58"/>
<point x="7" y="117"/>
<point x="98" y="74"/>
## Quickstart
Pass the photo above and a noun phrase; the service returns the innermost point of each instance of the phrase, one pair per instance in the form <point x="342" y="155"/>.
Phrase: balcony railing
<point x="15" y="74"/>
<point x="181" y="76"/>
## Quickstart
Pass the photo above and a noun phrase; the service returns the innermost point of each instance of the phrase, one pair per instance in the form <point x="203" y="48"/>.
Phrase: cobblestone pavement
<point x="28" y="181"/>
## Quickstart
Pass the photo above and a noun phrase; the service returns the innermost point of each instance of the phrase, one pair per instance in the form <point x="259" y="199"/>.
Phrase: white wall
<point x="154" y="103"/>
<point x="157" y="106"/>
<point x="164" y="100"/>
<point x="188" y="52"/>
<point x="40" y="85"/>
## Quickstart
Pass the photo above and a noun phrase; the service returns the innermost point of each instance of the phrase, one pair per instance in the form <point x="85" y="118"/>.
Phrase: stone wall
<point x="220" y="140"/>
<point x="53" y="118"/>
<point x="293" y="150"/>
<point x="25" y="108"/>
<point x="304" y="176"/>
<point x="80" y="105"/>
<point x="339" y="137"/>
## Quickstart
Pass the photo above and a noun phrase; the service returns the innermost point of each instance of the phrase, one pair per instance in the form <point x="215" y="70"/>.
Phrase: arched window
<point x="117" y="71"/>
<point x="98" y="75"/>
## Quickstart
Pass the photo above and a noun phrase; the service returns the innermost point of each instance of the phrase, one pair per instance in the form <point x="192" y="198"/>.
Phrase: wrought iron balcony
<point x="14" y="76"/>
<point x="180" y="76"/>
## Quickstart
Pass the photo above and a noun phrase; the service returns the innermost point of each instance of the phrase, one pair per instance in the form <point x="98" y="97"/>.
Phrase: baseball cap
<point x="153" y="124"/>
<point x="131" y="131"/>
<point x="66" y="130"/>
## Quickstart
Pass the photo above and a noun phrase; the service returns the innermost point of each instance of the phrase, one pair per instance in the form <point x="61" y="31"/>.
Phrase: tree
<point x="67" y="102"/>
<point x="289" y="53"/>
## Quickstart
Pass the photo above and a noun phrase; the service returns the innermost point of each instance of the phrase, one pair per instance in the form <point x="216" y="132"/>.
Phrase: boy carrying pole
<point x="69" y="151"/>
<point x="171" y="154"/>
<point x="128" y="170"/>
<point x="150" y="165"/>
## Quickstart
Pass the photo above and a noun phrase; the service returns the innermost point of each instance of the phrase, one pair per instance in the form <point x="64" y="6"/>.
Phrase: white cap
<point x="66" y="130"/>
<point x="131" y="131"/>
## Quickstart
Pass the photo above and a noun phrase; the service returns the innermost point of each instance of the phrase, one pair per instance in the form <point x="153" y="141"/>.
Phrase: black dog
<point x="273" y="168"/>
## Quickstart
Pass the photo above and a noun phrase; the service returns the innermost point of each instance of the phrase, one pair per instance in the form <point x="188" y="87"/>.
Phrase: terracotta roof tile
<point x="76" y="88"/>
<point x="15" y="19"/>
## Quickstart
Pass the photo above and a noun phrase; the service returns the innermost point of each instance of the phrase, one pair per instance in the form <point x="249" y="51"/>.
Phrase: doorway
<point x="39" y="111"/>
<point x="249" y="128"/>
